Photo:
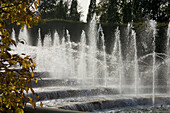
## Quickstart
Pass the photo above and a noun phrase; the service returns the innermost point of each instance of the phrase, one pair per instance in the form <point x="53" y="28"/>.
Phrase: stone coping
<point x="29" y="109"/>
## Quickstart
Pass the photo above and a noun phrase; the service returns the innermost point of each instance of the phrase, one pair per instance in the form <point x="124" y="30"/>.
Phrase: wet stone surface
<point x="160" y="109"/>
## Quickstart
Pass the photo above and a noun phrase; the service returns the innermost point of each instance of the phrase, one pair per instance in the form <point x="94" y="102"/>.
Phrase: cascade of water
<point x="39" y="56"/>
<point x="57" y="54"/>
<point x="13" y="35"/>
<point x="104" y="54"/>
<point x="13" y="38"/>
<point x="64" y="58"/>
<point x="120" y="64"/>
<point x="131" y="58"/>
<point x="153" y="25"/>
<point x="82" y="66"/>
<point x="115" y="44"/>
<point x="56" y="41"/>
<point x="71" y="64"/>
<point x="24" y="36"/>
<point x="39" y="43"/>
<point x="129" y="27"/>
<point x="117" y="58"/>
<point x="167" y="49"/>
<point x="47" y="53"/>
<point x="47" y="41"/>
<point x="92" y="61"/>
<point x="136" y="70"/>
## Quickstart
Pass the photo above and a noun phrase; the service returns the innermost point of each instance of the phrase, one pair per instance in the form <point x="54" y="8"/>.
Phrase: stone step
<point x="46" y="82"/>
<point x="115" y="103"/>
<point x="58" y="93"/>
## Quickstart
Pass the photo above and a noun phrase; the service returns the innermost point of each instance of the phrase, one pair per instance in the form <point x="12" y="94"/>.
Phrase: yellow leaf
<point x="0" y="99"/>
<point x="20" y="5"/>
<point x="41" y="104"/>
<point x="22" y="27"/>
<point x="38" y="1"/>
<point x="26" y="89"/>
<point x="19" y="110"/>
<point x="7" y="105"/>
<point x="33" y="104"/>
<point x="18" y="23"/>
<point x="34" y="65"/>
<point x="35" y="4"/>
<point x="30" y="18"/>
<point x="29" y="26"/>
<point x="13" y="87"/>
<point x="36" y="80"/>
<point x="30" y="99"/>
<point x="23" y="106"/>
<point x="5" y="8"/>
<point x="32" y="74"/>
<point x="38" y="17"/>
<point x="25" y="10"/>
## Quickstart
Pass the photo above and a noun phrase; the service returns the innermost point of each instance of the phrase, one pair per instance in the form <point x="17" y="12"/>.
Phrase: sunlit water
<point x="92" y="67"/>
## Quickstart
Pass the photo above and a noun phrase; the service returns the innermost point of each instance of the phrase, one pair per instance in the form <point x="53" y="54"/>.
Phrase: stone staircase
<point x="71" y="95"/>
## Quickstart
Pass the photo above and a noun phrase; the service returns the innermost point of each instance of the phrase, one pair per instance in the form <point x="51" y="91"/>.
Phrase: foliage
<point x="46" y="8"/>
<point x="124" y="11"/>
<point x="51" y="9"/>
<point x="74" y="14"/>
<point x="61" y="10"/>
<point x="111" y="15"/>
<point x="91" y="10"/>
<point x="15" y="71"/>
<point x="167" y="10"/>
<point x="112" y="12"/>
<point x="101" y="9"/>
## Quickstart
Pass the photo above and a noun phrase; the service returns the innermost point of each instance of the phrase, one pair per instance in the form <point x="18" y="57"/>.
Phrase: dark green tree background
<point x="91" y="10"/>
<point x="46" y="8"/>
<point x="109" y="11"/>
<point x="74" y="14"/>
<point x="123" y="11"/>
<point x="61" y="10"/>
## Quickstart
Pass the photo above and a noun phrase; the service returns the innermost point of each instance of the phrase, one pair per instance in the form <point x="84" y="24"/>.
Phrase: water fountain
<point x="136" y="70"/>
<point x="86" y="71"/>
<point x="105" y="73"/>
<point x="117" y="58"/>
<point x="153" y="27"/>
<point x="168" y="50"/>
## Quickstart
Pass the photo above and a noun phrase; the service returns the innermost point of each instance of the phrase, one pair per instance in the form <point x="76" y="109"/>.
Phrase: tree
<point x="14" y="81"/>
<point x="101" y="10"/>
<point x="111" y="14"/>
<point x="155" y="9"/>
<point x="131" y="10"/>
<point x="91" y="11"/>
<point x="136" y="11"/>
<point x="46" y="8"/>
<point x="74" y="14"/>
<point x="116" y="11"/>
<point x="61" y="10"/>
<point x="126" y="12"/>
<point x="167" y="9"/>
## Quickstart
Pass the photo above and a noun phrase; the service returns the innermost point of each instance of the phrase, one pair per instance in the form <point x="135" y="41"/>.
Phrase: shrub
<point x="14" y="81"/>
